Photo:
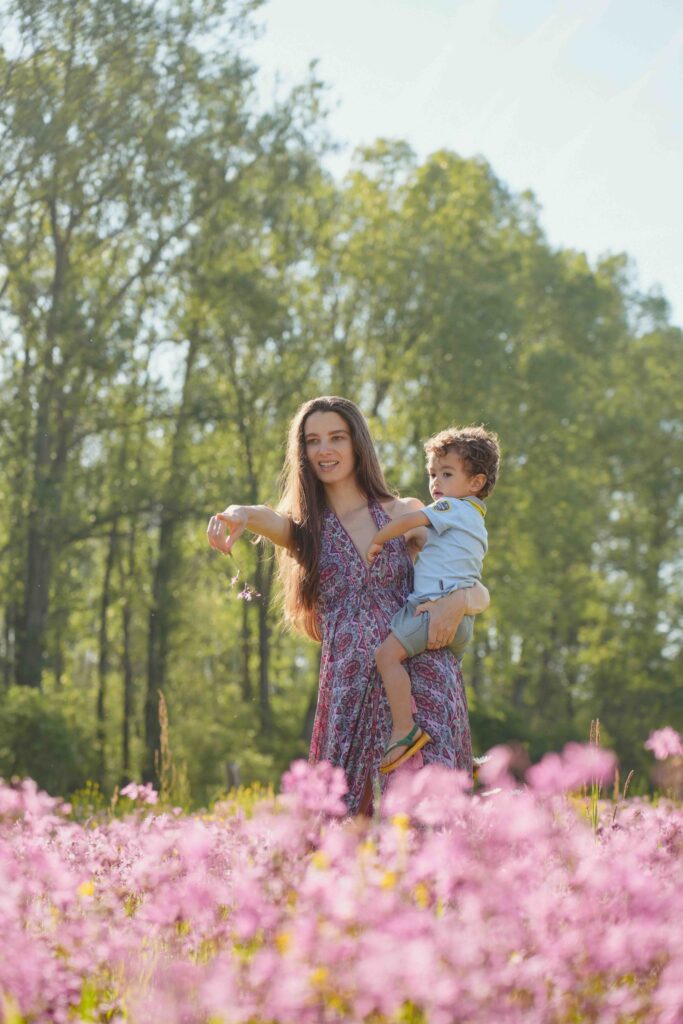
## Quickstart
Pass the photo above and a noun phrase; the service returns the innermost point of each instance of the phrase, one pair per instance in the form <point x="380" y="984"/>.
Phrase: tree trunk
<point x="128" y="587"/>
<point x="247" y="688"/>
<point x="161" y="610"/>
<point x="48" y="463"/>
<point x="265" y="568"/>
<point x="265" y="565"/>
<point x="38" y="572"/>
<point x="38" y="567"/>
<point x="103" y="662"/>
<point x="127" y="664"/>
<point x="8" y="644"/>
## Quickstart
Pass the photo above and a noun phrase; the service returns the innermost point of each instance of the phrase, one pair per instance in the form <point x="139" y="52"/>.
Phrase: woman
<point x="334" y="500"/>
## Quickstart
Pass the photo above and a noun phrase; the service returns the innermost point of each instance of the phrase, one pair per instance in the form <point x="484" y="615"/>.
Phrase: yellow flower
<point x="319" y="976"/>
<point x="401" y="822"/>
<point x="86" y="889"/>
<point x="366" y="848"/>
<point x="283" y="941"/>
<point x="320" y="860"/>
<point x="292" y="897"/>
<point x="388" y="880"/>
<point x="421" y="893"/>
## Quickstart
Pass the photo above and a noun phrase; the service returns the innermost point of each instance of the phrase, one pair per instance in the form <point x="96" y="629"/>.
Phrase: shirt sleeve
<point x="444" y="514"/>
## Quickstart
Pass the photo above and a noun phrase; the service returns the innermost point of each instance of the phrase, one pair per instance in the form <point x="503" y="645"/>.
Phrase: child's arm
<point x="396" y="528"/>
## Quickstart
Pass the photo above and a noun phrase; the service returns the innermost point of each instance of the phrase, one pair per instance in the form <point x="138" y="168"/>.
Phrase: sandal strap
<point x="405" y="742"/>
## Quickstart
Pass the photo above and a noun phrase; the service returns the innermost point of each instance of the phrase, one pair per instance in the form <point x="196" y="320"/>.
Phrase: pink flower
<point x="579" y="764"/>
<point x="145" y="794"/>
<point x="494" y="771"/>
<point x="665" y="743"/>
<point x="316" y="787"/>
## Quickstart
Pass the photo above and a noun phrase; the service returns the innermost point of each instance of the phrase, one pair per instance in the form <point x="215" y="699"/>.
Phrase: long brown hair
<point x="303" y="500"/>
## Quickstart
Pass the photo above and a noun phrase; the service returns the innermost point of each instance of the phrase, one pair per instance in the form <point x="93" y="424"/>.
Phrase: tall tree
<point x="108" y="110"/>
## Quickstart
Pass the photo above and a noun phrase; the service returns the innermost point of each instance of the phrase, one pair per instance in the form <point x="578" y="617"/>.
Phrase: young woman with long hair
<point x="334" y="499"/>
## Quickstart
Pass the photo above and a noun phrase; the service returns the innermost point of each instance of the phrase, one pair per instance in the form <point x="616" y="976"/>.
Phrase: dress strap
<point x="378" y="513"/>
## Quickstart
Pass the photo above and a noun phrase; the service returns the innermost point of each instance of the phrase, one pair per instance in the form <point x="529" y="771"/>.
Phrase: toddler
<point x="463" y="466"/>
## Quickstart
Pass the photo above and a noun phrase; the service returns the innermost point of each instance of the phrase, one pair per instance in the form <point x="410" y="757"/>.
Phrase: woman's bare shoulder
<point x="400" y="506"/>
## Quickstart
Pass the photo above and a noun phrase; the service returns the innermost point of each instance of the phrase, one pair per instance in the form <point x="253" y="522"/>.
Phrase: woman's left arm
<point x="446" y="614"/>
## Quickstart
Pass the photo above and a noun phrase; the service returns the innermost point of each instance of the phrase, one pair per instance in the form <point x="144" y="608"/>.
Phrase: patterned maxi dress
<point x="352" y="721"/>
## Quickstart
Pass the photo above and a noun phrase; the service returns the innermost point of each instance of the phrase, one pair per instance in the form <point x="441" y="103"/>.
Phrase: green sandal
<point x="411" y="743"/>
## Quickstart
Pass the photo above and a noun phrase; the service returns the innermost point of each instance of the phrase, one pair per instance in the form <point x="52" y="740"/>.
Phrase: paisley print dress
<point x="352" y="721"/>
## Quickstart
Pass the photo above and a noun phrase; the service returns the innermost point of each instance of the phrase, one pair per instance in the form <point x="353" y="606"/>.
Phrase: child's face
<point x="448" y="479"/>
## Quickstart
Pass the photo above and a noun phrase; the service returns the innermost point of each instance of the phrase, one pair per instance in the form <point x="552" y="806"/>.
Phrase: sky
<point x="579" y="100"/>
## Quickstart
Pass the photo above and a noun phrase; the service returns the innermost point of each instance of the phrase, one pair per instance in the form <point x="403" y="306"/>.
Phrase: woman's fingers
<point x="236" y="522"/>
<point x="226" y="527"/>
<point x="217" y="532"/>
<point x="236" y="531"/>
<point x="445" y="616"/>
<point x="437" y="632"/>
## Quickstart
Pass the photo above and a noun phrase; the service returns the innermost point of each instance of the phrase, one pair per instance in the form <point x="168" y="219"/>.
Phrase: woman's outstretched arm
<point x="226" y="527"/>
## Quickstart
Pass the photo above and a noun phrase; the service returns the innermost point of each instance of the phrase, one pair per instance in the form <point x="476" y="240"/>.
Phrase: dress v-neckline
<point x="368" y="565"/>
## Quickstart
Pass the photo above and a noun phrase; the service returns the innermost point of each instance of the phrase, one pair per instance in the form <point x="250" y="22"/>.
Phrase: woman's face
<point x="329" y="450"/>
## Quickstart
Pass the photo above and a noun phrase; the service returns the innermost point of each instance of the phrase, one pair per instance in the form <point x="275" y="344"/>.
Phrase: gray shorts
<point x="412" y="631"/>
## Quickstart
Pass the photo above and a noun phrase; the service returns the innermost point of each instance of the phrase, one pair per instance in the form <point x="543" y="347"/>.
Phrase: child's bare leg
<point x="389" y="658"/>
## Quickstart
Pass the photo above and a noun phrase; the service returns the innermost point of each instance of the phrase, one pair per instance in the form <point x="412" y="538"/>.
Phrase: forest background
<point x="178" y="272"/>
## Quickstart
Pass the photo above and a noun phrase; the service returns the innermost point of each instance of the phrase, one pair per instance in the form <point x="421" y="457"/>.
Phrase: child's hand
<point x="374" y="550"/>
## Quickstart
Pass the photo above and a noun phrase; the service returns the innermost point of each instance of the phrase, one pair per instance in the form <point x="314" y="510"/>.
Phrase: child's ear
<point x="477" y="482"/>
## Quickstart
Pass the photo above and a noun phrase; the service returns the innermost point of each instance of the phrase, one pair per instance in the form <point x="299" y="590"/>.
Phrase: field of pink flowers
<point x="514" y="903"/>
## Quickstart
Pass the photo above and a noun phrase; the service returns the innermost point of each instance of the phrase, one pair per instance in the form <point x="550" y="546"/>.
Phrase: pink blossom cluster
<point x="501" y="905"/>
<point x="146" y="793"/>
<point x="665" y="743"/>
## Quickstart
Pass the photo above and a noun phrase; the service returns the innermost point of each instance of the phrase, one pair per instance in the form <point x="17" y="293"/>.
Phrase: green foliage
<point x="40" y="739"/>
<point x="88" y="802"/>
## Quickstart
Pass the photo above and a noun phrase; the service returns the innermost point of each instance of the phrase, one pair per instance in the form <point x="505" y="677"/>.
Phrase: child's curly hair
<point x="478" y="448"/>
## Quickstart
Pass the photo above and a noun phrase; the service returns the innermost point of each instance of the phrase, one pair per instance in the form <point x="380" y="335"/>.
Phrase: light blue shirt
<point x="453" y="556"/>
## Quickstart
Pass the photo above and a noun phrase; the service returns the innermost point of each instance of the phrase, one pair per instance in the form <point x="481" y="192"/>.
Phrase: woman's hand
<point x="446" y="614"/>
<point x="234" y="519"/>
